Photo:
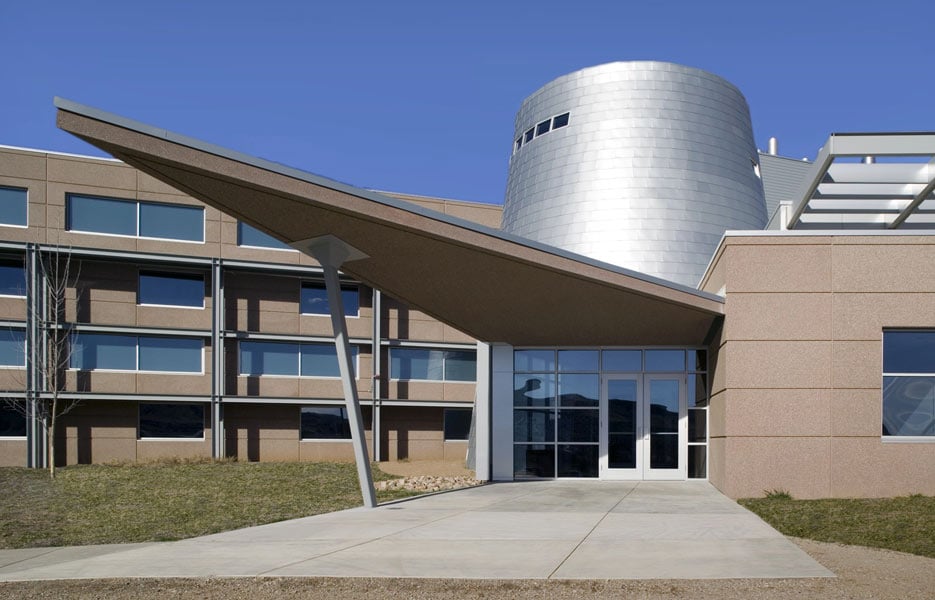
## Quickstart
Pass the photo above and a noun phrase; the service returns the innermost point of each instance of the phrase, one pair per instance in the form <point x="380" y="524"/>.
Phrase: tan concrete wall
<point x="798" y="368"/>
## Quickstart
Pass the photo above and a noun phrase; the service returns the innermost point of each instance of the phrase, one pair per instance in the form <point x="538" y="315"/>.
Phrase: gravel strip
<point x="862" y="573"/>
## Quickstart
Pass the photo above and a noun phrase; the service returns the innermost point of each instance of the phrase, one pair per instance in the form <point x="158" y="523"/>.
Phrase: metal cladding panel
<point x="782" y="179"/>
<point x="656" y="162"/>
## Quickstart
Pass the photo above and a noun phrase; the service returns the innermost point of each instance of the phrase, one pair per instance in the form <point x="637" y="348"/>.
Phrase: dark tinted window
<point x="528" y="135"/>
<point x="251" y="236"/>
<point x="12" y="421"/>
<point x="909" y="351"/>
<point x="172" y="222"/>
<point x="543" y="127"/>
<point x="325" y="423"/>
<point x="314" y="300"/>
<point x="172" y="290"/>
<point x="560" y="121"/>
<point x="101" y="215"/>
<point x="457" y="423"/>
<point x="13" y="206"/>
<point x="12" y="348"/>
<point x="172" y="420"/>
<point x="12" y="279"/>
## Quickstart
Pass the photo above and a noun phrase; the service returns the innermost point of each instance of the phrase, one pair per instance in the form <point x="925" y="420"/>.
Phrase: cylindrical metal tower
<point x="640" y="164"/>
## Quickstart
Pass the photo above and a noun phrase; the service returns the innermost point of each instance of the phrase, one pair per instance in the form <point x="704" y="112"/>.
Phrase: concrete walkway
<point x="546" y="529"/>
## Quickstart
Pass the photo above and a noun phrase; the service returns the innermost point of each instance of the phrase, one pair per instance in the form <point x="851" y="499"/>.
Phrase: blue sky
<point x="419" y="97"/>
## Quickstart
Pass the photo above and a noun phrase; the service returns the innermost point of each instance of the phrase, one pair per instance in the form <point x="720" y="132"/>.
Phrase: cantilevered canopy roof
<point x="893" y="190"/>
<point x="493" y="286"/>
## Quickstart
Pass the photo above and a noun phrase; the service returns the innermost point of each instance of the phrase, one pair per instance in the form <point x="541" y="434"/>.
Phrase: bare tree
<point x="49" y="355"/>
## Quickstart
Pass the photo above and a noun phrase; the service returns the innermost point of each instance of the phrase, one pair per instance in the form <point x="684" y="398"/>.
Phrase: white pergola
<point x="869" y="181"/>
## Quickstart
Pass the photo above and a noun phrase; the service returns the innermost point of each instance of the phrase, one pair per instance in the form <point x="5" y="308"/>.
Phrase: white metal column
<point x="332" y="252"/>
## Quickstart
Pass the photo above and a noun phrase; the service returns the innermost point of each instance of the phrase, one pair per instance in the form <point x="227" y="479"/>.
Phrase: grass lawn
<point x="105" y="504"/>
<point x="906" y="524"/>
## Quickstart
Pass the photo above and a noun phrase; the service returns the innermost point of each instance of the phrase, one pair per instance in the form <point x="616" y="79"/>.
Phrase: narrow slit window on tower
<point x="518" y="144"/>
<point x="560" y="121"/>
<point x="543" y="127"/>
<point x="527" y="137"/>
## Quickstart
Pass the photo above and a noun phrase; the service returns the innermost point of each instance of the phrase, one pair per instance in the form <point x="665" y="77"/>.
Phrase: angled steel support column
<point x="332" y="252"/>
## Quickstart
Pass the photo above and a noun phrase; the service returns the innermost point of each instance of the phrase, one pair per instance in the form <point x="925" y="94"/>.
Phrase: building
<point x="148" y="265"/>
<point x="625" y="329"/>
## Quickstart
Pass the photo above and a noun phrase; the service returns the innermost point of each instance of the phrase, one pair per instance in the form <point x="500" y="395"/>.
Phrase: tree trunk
<point x="51" y="433"/>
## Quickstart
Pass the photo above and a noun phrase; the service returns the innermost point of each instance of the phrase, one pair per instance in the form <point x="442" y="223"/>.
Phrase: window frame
<point x="321" y="285"/>
<point x="445" y="412"/>
<point x="7" y="408"/>
<point x="444" y="369"/>
<point x="355" y="362"/>
<point x="240" y="223"/>
<point x="136" y="357"/>
<point x="12" y="262"/>
<point x="23" y="353"/>
<point x="170" y="275"/>
<point x="136" y="203"/>
<point x="339" y="440"/>
<point x="902" y="374"/>
<point x="16" y="225"/>
<point x="139" y="428"/>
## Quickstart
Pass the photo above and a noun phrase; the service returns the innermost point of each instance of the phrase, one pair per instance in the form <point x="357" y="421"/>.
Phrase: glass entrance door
<point x="643" y="427"/>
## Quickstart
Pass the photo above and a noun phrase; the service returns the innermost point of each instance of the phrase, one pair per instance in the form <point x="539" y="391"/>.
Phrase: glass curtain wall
<point x="556" y="406"/>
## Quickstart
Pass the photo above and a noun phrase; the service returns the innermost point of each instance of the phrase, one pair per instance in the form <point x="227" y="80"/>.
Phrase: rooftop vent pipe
<point x="773" y="146"/>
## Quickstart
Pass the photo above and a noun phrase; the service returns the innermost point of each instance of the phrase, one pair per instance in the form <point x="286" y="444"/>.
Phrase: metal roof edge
<point x="139" y="127"/>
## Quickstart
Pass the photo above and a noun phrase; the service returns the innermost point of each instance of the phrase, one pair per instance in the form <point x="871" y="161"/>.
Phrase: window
<point x="314" y="300"/>
<point x="251" y="236"/>
<point x="172" y="420"/>
<point x="13" y="206"/>
<point x="12" y="421"/>
<point x="291" y="359"/>
<point x="12" y="347"/>
<point x="165" y="289"/>
<point x="433" y="365"/>
<point x="12" y="279"/>
<point x="909" y="383"/>
<point x="105" y="351"/>
<point x="551" y="124"/>
<point x="137" y="219"/>
<point x="325" y="423"/>
<point x="457" y="423"/>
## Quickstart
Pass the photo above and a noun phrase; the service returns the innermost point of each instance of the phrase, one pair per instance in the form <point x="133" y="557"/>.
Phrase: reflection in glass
<point x="578" y="425"/>
<point x="525" y="361"/>
<point x="622" y="360"/>
<point x="621" y="407"/>
<point x="697" y="360"/>
<point x="698" y="390"/>
<point x="665" y="360"/>
<point x="664" y="406"/>
<point x="697" y="425"/>
<point x="577" y="461"/>
<point x="697" y="462"/>
<point x="664" y="451"/>
<point x="171" y="420"/>
<point x="909" y="351"/>
<point x="909" y="406"/>
<point x="324" y="423"/>
<point x="579" y="390"/>
<point x="534" y="425"/>
<point x="533" y="460"/>
<point x="533" y="390"/>
<point x="578" y="360"/>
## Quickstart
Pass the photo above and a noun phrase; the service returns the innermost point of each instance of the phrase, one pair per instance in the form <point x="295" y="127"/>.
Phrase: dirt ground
<point x="862" y="573"/>
<point x="439" y="468"/>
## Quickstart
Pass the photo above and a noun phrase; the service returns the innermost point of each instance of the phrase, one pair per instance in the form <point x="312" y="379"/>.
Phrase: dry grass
<point x="168" y="500"/>
<point x="906" y="524"/>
